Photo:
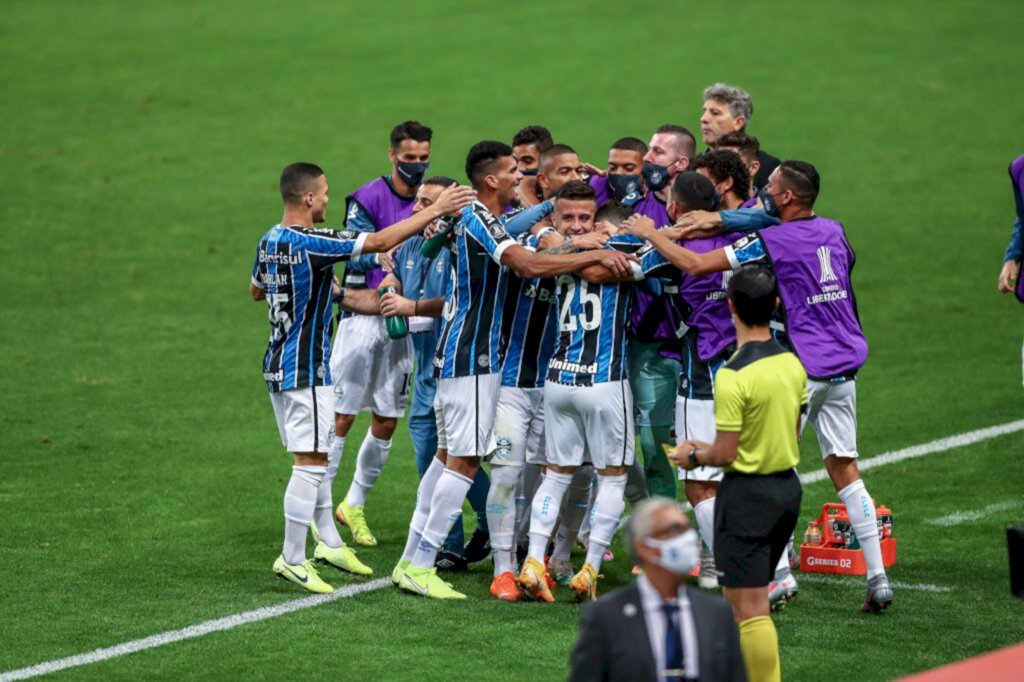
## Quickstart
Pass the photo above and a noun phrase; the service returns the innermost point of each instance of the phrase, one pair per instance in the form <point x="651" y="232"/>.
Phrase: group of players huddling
<point x="571" y="309"/>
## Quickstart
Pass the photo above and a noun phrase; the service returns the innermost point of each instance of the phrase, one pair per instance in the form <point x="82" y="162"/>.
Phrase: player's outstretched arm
<point x="689" y="262"/>
<point x="361" y="301"/>
<point x="451" y="200"/>
<point x="526" y="264"/>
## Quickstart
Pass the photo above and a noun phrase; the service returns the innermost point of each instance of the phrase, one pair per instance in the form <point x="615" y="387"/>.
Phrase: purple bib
<point x="600" y="187"/>
<point x="385" y="207"/>
<point x="706" y="297"/>
<point x="1020" y="287"/>
<point x="812" y="262"/>
<point x="652" y="317"/>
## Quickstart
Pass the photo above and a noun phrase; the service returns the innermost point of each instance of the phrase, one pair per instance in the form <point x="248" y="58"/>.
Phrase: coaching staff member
<point x="657" y="629"/>
<point x="760" y="395"/>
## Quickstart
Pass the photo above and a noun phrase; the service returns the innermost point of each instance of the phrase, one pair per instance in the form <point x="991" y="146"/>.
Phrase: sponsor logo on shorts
<point x="339" y="392"/>
<point x="504" y="448"/>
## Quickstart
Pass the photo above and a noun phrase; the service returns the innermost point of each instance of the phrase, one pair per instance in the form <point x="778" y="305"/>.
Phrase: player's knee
<point x="466" y="466"/>
<point x="612" y="471"/>
<point x="343" y="423"/>
<point x="698" y="491"/>
<point x="842" y="470"/>
<point x="382" y="427"/>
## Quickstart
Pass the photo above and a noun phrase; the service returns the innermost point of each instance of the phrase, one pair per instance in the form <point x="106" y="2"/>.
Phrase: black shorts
<point x="754" y="518"/>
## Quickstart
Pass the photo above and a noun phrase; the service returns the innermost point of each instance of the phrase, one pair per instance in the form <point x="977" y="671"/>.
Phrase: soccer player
<point x="812" y="260"/>
<point x="728" y="109"/>
<point x="1009" y="276"/>
<point x="371" y="371"/>
<point x="760" y="396"/>
<point x="469" y="355"/>
<point x="293" y="273"/>
<point x="622" y="180"/>
<point x="748" y="147"/>
<point x="527" y="146"/>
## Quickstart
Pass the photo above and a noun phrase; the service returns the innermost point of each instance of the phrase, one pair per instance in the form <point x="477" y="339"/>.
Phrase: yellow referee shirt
<point x="760" y="392"/>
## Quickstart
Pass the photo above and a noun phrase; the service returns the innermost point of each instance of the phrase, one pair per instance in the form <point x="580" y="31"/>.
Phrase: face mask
<point x="654" y="175"/>
<point x="412" y="172"/>
<point x="768" y="201"/>
<point x="532" y="171"/>
<point x="680" y="554"/>
<point x="625" y="188"/>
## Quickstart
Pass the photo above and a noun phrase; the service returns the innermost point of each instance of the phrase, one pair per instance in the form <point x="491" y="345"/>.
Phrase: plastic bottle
<point x="431" y="247"/>
<point x="396" y="326"/>
<point x="813" y="534"/>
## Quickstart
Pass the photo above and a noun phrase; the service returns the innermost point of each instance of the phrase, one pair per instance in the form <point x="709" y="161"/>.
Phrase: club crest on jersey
<point x="504" y="446"/>
<point x="825" y="261"/>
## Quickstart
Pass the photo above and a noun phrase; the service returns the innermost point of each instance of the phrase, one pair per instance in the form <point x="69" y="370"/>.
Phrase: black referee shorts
<point x="754" y="518"/>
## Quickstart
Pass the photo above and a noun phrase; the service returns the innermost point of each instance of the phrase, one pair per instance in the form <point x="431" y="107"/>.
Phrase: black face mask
<point x="532" y="171"/>
<point x="768" y="201"/>
<point x="655" y="176"/>
<point x="625" y="188"/>
<point x="412" y="172"/>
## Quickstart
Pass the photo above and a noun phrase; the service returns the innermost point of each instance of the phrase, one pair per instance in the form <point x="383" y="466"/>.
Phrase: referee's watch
<point x="693" y="458"/>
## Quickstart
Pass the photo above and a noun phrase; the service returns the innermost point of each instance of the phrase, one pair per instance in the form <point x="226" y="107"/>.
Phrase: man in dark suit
<point x="658" y="629"/>
<point x="728" y="109"/>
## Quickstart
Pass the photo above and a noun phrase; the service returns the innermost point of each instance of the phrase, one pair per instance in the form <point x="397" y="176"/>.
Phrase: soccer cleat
<point x="561" y="571"/>
<point x="354" y="518"/>
<point x="504" y="587"/>
<point x="879" y="596"/>
<point x="584" y="583"/>
<point x="478" y="548"/>
<point x="424" y="582"/>
<point x="781" y="592"/>
<point x="342" y="558"/>
<point x="533" y="580"/>
<point x="583" y="540"/>
<point x="450" y="562"/>
<point x="793" y="555"/>
<point x="398" y="570"/>
<point x="304" y="575"/>
<point x="708" y="578"/>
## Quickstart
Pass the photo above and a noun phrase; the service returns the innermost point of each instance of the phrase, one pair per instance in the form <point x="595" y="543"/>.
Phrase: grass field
<point x="140" y="470"/>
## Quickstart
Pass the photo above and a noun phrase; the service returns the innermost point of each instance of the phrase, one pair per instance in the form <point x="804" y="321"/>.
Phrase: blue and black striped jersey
<point x="470" y="341"/>
<point x="293" y="267"/>
<point x="530" y="327"/>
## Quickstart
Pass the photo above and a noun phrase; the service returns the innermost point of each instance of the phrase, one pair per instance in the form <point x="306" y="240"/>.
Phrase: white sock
<point x="501" y="515"/>
<point x="373" y="455"/>
<point x="861" y="510"/>
<point x="334" y="461"/>
<point x="524" y="498"/>
<point x="299" y="504"/>
<point x="705" y="513"/>
<point x="585" y="526"/>
<point x="422" y="509"/>
<point x="445" y="510"/>
<point x="544" y="511"/>
<point x="636" y="488"/>
<point x="604" y="521"/>
<point x="574" y="510"/>
<point x="324" y="512"/>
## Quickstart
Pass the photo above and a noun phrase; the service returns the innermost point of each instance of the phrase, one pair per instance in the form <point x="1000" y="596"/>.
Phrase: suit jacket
<point x="614" y="643"/>
<point x="768" y="164"/>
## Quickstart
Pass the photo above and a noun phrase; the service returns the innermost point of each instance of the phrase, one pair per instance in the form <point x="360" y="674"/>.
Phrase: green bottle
<point x="396" y="326"/>
<point x="431" y="247"/>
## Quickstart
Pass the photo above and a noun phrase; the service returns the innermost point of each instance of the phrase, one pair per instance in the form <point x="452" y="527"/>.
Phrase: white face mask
<point x="680" y="554"/>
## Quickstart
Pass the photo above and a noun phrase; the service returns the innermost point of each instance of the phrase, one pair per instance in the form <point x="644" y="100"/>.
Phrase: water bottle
<point x="396" y="326"/>
<point x="431" y="247"/>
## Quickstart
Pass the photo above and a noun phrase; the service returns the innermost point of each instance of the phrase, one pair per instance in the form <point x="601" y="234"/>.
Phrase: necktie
<point x="673" y="643"/>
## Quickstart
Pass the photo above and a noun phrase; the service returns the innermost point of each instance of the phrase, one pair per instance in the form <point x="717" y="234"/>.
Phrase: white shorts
<point x="306" y="425"/>
<point x="832" y="411"/>
<point x="519" y="427"/>
<point x="695" y="420"/>
<point x="594" y="419"/>
<point x="465" y="408"/>
<point x="370" y="370"/>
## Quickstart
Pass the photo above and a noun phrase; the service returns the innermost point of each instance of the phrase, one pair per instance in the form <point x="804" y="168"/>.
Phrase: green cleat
<point x="314" y="531"/>
<point x="424" y="582"/>
<point x="304" y="575"/>
<point x="398" y="570"/>
<point x="354" y="518"/>
<point x="341" y="557"/>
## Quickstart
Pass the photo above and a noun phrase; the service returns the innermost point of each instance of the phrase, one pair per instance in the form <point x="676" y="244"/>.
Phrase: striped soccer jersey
<point x="529" y="327"/>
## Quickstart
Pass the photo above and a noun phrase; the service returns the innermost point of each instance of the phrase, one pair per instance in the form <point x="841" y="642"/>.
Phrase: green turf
<point x="140" y="472"/>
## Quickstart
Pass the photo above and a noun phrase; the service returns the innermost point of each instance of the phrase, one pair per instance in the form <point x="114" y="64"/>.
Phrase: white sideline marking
<point x="246" y="617"/>
<point x="963" y="517"/>
<point x="939" y="445"/>
<point x="840" y="580"/>
<point x="191" y="631"/>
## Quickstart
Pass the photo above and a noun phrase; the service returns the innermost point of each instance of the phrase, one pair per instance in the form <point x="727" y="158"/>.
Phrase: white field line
<point x="191" y="631"/>
<point x="939" y="445"/>
<point x="823" y="579"/>
<point x="246" y="617"/>
<point x="963" y="517"/>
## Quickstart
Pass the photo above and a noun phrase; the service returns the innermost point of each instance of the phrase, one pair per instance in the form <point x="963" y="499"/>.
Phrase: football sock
<point x="544" y="511"/>
<point x="334" y="461"/>
<point x="477" y="498"/>
<point x="759" y="643"/>
<point x="445" y="510"/>
<point x="373" y="455"/>
<point x="705" y="513"/>
<point x="299" y="504"/>
<point x="324" y="512"/>
<point x="424" y="493"/>
<point x="861" y="510"/>
<point x="574" y="509"/>
<point x="604" y="521"/>
<point x="524" y="497"/>
<point x="501" y="514"/>
<point x="636" y="483"/>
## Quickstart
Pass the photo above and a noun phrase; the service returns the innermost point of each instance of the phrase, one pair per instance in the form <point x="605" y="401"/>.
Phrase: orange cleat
<point x="504" y="587"/>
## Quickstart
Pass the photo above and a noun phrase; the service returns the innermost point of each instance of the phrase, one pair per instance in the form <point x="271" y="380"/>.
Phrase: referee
<point x="760" y="394"/>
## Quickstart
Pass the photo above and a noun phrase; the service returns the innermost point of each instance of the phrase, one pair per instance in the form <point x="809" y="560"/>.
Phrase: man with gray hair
<point x="728" y="109"/>
<point x="658" y="629"/>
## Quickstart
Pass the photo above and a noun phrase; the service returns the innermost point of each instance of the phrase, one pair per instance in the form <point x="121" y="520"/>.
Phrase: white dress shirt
<point x="654" y="618"/>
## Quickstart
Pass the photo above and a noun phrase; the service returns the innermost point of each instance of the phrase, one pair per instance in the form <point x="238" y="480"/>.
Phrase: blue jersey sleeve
<point x="326" y="247"/>
<point x="358" y="220"/>
<point x="655" y="265"/>
<point x="746" y="220"/>
<point x="522" y="222"/>
<point x="256" y="271"/>
<point x="487" y="231"/>
<point x="1015" y="249"/>
<point x="747" y="251"/>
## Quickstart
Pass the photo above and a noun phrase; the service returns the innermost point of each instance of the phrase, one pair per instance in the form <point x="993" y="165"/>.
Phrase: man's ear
<point x="741" y="122"/>
<point x="754" y="167"/>
<point x="491" y="181"/>
<point x="391" y="156"/>
<point x="732" y="306"/>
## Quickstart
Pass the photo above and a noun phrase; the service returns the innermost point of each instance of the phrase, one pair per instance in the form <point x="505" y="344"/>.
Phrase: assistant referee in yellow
<point x="760" y="395"/>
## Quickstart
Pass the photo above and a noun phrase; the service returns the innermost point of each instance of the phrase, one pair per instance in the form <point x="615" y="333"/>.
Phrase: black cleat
<point x="450" y="562"/>
<point x="478" y="548"/>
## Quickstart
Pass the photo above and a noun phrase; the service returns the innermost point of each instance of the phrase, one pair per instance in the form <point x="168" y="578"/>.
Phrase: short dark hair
<point x="537" y="135"/>
<point x="410" y="130"/>
<point x="440" y="181"/>
<point x="725" y="163"/>
<point x="748" y="145"/>
<point x="694" y="191"/>
<point x="753" y="290"/>
<point x="553" y="151"/>
<point x="686" y="143"/>
<point x="614" y="212"/>
<point x="803" y="179"/>
<point x="481" y="159"/>
<point x="630" y="144"/>
<point x="576" y="190"/>
<point x="297" y="179"/>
